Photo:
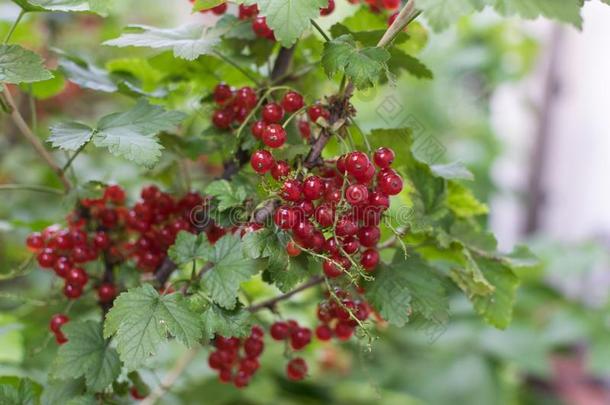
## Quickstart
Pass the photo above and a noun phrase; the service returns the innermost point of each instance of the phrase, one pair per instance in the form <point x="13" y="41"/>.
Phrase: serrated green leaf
<point x="470" y="278"/>
<point x="97" y="6"/>
<point x="288" y="18"/>
<point x="390" y="295"/>
<point x="462" y="202"/>
<point x="187" y="42"/>
<point x="86" y="75"/>
<point x="19" y="391"/>
<point x="131" y="134"/>
<point x="231" y="268"/>
<point x="400" y="61"/>
<point x="260" y="244"/>
<point x="46" y="89"/>
<point x="87" y="354"/>
<point x="363" y="66"/>
<point x="236" y="28"/>
<point x="189" y="247"/>
<point x="452" y="171"/>
<point x="216" y="320"/>
<point x="227" y="194"/>
<point x="69" y="135"/>
<point x="62" y="391"/>
<point x="18" y="65"/>
<point x="141" y="319"/>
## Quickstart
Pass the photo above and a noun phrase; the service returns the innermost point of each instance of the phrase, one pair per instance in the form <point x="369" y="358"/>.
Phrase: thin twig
<point x="33" y="139"/>
<point x="271" y="303"/>
<point x="28" y="187"/>
<point x="236" y="66"/>
<point x="13" y="27"/>
<point x="320" y="30"/>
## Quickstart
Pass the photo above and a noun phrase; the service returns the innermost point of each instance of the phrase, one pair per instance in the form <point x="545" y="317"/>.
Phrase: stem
<point x="320" y="30"/>
<point x="296" y="113"/>
<point x="29" y="135"/>
<point x="13" y="27"/>
<point x="74" y="155"/>
<point x="172" y="376"/>
<point x="37" y="189"/>
<point x="236" y="66"/>
<point x="403" y="19"/>
<point x="271" y="303"/>
<point x="282" y="63"/>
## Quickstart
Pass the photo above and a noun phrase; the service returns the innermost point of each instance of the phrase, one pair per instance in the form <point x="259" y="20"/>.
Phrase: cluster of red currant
<point x="217" y="10"/>
<point x="299" y="337"/>
<point x="377" y="6"/>
<point x="350" y="197"/>
<point x="234" y="105"/>
<point x="233" y="367"/>
<point x="338" y="317"/>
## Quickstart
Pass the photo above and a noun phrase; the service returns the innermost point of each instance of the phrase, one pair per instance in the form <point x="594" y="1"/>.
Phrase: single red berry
<point x="260" y="27"/>
<point x="220" y="9"/>
<point x="332" y="268"/>
<point x="379" y="200"/>
<point x="77" y="276"/>
<point x="306" y="208"/>
<point x="226" y="343"/>
<point x="384" y="157"/>
<point x="331" y="246"/>
<point x="222" y="93"/>
<point x="246" y="97"/>
<point x="272" y="113"/>
<point x="249" y="365"/>
<point x="257" y="128"/>
<point x="115" y="194"/>
<point x="324" y="333"/>
<point x="285" y="218"/>
<point x="350" y="245"/>
<point x="300" y="338"/>
<point x="280" y="169"/>
<point x="369" y="259"/>
<point x="356" y="163"/>
<point x="328" y="9"/>
<point x="367" y="176"/>
<point x="293" y="249"/>
<point x="313" y="188"/>
<point x="344" y="330"/>
<point x="241" y="379"/>
<point x="46" y="258"/>
<point x="317" y="241"/>
<point x="246" y="12"/>
<point x="324" y="215"/>
<point x="222" y="119"/>
<point x="292" y="101"/>
<point x="303" y="230"/>
<point x="369" y="235"/>
<point x="215" y="360"/>
<point x="135" y="394"/>
<point x="391" y="4"/>
<point x="274" y="135"/>
<point x="101" y="240"/>
<point x="346" y="226"/>
<point x="257" y="332"/>
<point x="261" y="161"/>
<point x="304" y="129"/>
<point x="34" y="241"/>
<point x="390" y="184"/>
<point x="357" y="194"/>
<point x="332" y="195"/>
<point x="292" y="190"/>
<point x="225" y="375"/>
<point x="296" y="369"/>
<point x="279" y="330"/>
<point x="72" y="291"/>
<point x="106" y="292"/>
<point x="316" y="111"/>
<point x="62" y="266"/>
<point x="253" y="347"/>
<point x="60" y="338"/>
<point x="57" y="321"/>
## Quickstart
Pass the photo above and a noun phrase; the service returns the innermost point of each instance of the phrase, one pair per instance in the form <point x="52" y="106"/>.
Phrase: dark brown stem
<point x="282" y="63"/>
<point x="264" y="213"/>
<point x="271" y="303"/>
<point x="164" y="271"/>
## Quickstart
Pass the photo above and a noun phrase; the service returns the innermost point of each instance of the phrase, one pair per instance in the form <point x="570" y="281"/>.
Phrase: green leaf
<point x="441" y="13"/>
<point x="400" y="61"/>
<point x="452" y="171"/>
<point x="236" y="28"/>
<point x="47" y="88"/>
<point x="97" y="6"/>
<point x="363" y="66"/>
<point x="70" y="135"/>
<point x="19" y="391"/>
<point x="141" y="319"/>
<point x="497" y="307"/>
<point x="470" y="278"/>
<point x="288" y="18"/>
<point x="206" y="4"/>
<point x="260" y="244"/>
<point x="189" y="247"/>
<point x="216" y="320"/>
<point x="18" y="65"/>
<point x="390" y="295"/>
<point x="87" y="354"/>
<point x="231" y="268"/>
<point x="463" y="203"/>
<point x="87" y="75"/>
<point x="187" y="42"/>
<point x="227" y="194"/>
<point x="131" y="134"/>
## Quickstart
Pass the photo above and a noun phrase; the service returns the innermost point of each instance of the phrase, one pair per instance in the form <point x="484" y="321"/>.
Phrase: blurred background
<point x="524" y="105"/>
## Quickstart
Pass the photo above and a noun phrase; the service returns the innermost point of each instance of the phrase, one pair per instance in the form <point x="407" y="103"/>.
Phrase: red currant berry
<point x="222" y="93"/>
<point x="369" y="259"/>
<point x="272" y="113"/>
<point x="257" y="129"/>
<point x="77" y="276"/>
<point x="292" y="190"/>
<point x="261" y="161"/>
<point x="324" y="215"/>
<point x="220" y="9"/>
<point x="328" y="9"/>
<point x="135" y="394"/>
<point x="344" y="330"/>
<point x="369" y="236"/>
<point x="225" y="375"/>
<point x="215" y="361"/>
<point x="317" y="241"/>
<point x="324" y="333"/>
<point x="303" y="230"/>
<point x="253" y="347"/>
<point x="279" y="330"/>
<point x="346" y="227"/>
<point x="72" y="291"/>
<point x="392" y="18"/>
<point x="62" y="266"/>
<point x="246" y="12"/>
<point x="274" y="136"/>
<point x="115" y="194"/>
<point x="350" y="245"/>
<point x="257" y="332"/>
<point x="280" y="169"/>
<point x="300" y="338"/>
<point x="46" y="258"/>
<point x="391" y="4"/>
<point x="313" y="188"/>
<point x="316" y="111"/>
<point x="331" y="246"/>
<point x="57" y="321"/>
<point x="35" y="241"/>
<point x="306" y="208"/>
<point x="60" y="338"/>
<point x="379" y="200"/>
<point x="292" y="101"/>
<point x="357" y="163"/>
<point x="101" y="240"/>
<point x="332" y="195"/>
<point x="357" y="194"/>
<point x="296" y="370"/>
<point x="242" y="379"/>
<point x="332" y="268"/>
<point x="390" y="184"/>
<point x="222" y="119"/>
<point x="260" y="27"/>
<point x="384" y="157"/>
<point x="246" y="97"/>
<point x="249" y="365"/>
<point x="285" y="218"/>
<point x="304" y="129"/>
<point x="106" y="293"/>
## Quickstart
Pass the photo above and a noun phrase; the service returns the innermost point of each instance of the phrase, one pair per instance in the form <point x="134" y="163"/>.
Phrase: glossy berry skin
<point x="57" y="321"/>
<point x="350" y="245"/>
<point x="356" y="163"/>
<point x="379" y="200"/>
<point x="296" y="369"/>
<point x="261" y="161"/>
<point x="313" y="188"/>
<point x="391" y="4"/>
<point x="62" y="266"/>
<point x="257" y="129"/>
<point x="324" y="215"/>
<point x="300" y="338"/>
<point x="274" y="136"/>
<point x="292" y="190"/>
<point x="331" y="268"/>
<point x="346" y="227"/>
<point x="73" y="291"/>
<point x="101" y="240"/>
<point x="260" y="27"/>
<point x="328" y="9"/>
<point x="292" y="101"/>
<point x="369" y="235"/>
<point x="357" y="194"/>
<point x="390" y="184"/>
<point x="220" y="9"/>
<point x="384" y="157"/>
<point x="246" y="97"/>
<point x="246" y="12"/>
<point x="369" y="259"/>
<point x="280" y="170"/>
<point x="222" y="119"/>
<point x="253" y="347"/>
<point x="306" y="208"/>
<point x="344" y="331"/>
<point x="285" y="218"/>
<point x="293" y="249"/>
<point x="46" y="258"/>
<point x="279" y="331"/>
<point x="304" y="129"/>
<point x="303" y="230"/>
<point x="324" y="333"/>
<point x="106" y="293"/>
<point x="222" y="93"/>
<point x="77" y="276"/>
<point x="35" y="241"/>
<point x="272" y="113"/>
<point x="316" y="111"/>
